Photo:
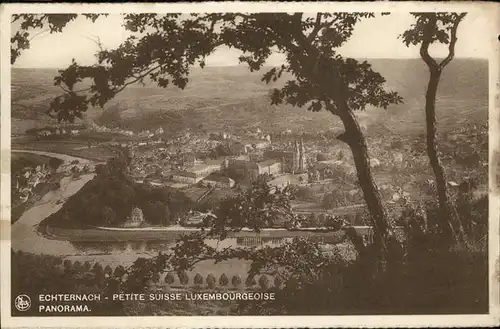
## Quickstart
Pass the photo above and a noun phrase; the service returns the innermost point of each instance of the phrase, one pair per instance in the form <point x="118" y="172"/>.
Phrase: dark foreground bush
<point x="423" y="274"/>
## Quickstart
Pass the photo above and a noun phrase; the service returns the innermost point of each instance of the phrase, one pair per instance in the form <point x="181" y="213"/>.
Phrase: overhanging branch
<point x="453" y="41"/>
<point x="316" y="29"/>
<point x="427" y="39"/>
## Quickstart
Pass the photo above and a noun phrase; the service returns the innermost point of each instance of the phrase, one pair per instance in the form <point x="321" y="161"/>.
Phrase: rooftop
<point x="202" y="166"/>
<point x="268" y="162"/>
<point x="218" y="178"/>
<point x="186" y="174"/>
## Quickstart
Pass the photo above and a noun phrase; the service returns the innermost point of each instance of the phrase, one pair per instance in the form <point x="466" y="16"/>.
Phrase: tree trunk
<point x="448" y="223"/>
<point x="353" y="136"/>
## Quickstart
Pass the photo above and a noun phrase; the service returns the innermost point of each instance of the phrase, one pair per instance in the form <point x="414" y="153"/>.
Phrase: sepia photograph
<point x="189" y="161"/>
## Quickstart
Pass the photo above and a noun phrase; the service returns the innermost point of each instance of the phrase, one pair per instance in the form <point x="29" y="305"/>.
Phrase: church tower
<point x="302" y="156"/>
<point x="296" y="157"/>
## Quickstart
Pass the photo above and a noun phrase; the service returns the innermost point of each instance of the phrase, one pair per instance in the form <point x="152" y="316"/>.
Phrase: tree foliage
<point x="198" y="279"/>
<point x="112" y="196"/>
<point x="211" y="281"/>
<point x="29" y="23"/>
<point x="258" y="207"/>
<point x="430" y="28"/>
<point x="223" y="280"/>
<point x="183" y="277"/>
<point x="169" y="278"/>
<point x="264" y="282"/>
<point x="236" y="281"/>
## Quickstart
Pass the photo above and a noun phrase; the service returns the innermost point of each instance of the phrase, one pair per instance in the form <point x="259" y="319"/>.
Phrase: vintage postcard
<point x="250" y="165"/>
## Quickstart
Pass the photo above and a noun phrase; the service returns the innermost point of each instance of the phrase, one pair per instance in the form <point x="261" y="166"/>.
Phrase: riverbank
<point x="127" y="235"/>
<point x="21" y="160"/>
<point x="38" y="193"/>
<point x="49" y="154"/>
<point x="99" y="154"/>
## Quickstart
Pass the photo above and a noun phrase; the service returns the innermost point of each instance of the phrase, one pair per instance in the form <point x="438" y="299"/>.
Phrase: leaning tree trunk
<point x="448" y="222"/>
<point x="353" y="136"/>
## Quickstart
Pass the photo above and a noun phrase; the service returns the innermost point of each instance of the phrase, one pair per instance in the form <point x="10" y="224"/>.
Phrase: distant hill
<point x="234" y="98"/>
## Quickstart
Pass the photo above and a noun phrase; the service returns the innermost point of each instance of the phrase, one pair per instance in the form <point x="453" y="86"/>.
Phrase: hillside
<point x="234" y="98"/>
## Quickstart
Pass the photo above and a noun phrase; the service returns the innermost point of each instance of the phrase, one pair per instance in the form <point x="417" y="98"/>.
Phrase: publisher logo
<point x="22" y="303"/>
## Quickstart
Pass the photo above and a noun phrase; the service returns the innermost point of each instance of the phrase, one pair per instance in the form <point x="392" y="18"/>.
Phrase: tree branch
<point x="316" y="29"/>
<point x="453" y="41"/>
<point x="75" y="91"/>
<point x="137" y="78"/>
<point x="427" y="39"/>
<point x="96" y="40"/>
<point x="323" y="26"/>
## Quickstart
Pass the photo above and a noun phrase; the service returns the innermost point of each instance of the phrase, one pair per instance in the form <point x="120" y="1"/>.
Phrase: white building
<point x="196" y="173"/>
<point x="218" y="181"/>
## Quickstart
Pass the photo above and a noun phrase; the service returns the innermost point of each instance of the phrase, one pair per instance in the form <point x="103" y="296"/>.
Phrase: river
<point x="25" y="235"/>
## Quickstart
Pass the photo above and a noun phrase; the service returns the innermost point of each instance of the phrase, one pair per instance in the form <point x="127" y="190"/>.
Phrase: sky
<point x="372" y="38"/>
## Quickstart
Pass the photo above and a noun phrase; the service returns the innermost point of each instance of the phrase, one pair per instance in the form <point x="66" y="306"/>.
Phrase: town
<point x="209" y="166"/>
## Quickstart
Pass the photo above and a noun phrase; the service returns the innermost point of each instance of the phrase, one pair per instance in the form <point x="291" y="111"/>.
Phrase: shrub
<point x="97" y="268"/>
<point x="198" y="279"/>
<point x="312" y="220"/>
<point x="77" y="266"/>
<point x="119" y="271"/>
<point x="99" y="273"/>
<point x="183" y="278"/>
<point x="155" y="278"/>
<point x="277" y="282"/>
<point x="87" y="266"/>
<point x="335" y="223"/>
<point x="250" y="281"/>
<point x="223" y="280"/>
<point x="67" y="264"/>
<point x="169" y="278"/>
<point x="264" y="282"/>
<point x="236" y="280"/>
<point x="210" y="281"/>
<point x="108" y="270"/>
